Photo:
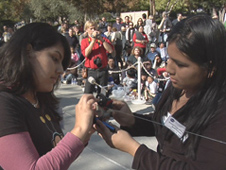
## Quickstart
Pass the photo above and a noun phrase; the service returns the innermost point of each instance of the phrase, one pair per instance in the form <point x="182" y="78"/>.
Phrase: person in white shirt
<point x="163" y="51"/>
<point x="130" y="81"/>
<point x="109" y="32"/>
<point x="151" y="89"/>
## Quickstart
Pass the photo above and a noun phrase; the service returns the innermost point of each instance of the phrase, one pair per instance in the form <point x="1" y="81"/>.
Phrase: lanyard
<point x="99" y="44"/>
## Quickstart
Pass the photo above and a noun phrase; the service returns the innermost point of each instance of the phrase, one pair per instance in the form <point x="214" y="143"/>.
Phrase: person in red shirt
<point x="94" y="48"/>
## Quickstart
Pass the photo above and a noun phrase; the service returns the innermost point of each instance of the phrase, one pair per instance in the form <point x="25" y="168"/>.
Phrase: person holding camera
<point x="164" y="27"/>
<point x="95" y="48"/>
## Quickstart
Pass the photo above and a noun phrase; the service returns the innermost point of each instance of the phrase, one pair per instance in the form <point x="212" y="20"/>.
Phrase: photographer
<point x="164" y="27"/>
<point x="95" y="47"/>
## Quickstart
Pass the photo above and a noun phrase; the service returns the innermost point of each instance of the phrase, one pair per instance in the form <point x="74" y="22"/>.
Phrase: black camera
<point x="104" y="111"/>
<point x="104" y="101"/>
<point x="98" y="62"/>
<point x="98" y="36"/>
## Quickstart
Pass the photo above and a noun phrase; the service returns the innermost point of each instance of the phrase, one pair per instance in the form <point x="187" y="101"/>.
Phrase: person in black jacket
<point x="190" y="119"/>
<point x="72" y="39"/>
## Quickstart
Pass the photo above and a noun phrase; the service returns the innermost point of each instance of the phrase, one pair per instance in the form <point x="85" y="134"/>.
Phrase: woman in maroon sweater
<point x="190" y="119"/>
<point x="140" y="39"/>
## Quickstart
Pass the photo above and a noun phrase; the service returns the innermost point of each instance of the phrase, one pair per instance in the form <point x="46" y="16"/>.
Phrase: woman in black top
<point x="190" y="119"/>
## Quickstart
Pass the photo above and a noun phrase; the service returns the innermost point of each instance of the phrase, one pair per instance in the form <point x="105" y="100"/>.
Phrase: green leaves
<point x="43" y="10"/>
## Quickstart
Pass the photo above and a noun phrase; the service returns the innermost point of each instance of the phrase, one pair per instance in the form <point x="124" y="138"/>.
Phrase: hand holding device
<point x="104" y="111"/>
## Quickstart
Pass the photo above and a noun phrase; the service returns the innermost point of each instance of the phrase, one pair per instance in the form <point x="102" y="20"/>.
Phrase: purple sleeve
<point x="18" y="152"/>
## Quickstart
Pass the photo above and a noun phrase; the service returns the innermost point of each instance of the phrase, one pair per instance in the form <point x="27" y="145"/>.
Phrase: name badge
<point x="176" y="127"/>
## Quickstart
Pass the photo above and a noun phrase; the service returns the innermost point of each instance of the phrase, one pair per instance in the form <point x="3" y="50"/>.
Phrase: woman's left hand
<point x="120" y="140"/>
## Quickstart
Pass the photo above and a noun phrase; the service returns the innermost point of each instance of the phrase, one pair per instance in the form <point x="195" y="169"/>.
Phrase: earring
<point x="210" y="74"/>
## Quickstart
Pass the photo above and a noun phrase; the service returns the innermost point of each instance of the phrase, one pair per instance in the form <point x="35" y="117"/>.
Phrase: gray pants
<point x="101" y="77"/>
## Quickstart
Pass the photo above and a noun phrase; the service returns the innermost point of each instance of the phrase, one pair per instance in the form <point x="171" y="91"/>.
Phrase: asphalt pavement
<point x="98" y="155"/>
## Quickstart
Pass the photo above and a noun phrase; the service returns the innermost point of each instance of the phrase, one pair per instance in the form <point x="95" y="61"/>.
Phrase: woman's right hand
<point x="85" y="112"/>
<point x="122" y="113"/>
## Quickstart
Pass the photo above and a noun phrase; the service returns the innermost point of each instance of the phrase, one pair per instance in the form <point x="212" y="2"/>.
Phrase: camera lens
<point x="97" y="62"/>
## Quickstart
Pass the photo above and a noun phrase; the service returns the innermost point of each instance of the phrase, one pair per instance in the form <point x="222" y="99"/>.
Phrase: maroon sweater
<point x="171" y="154"/>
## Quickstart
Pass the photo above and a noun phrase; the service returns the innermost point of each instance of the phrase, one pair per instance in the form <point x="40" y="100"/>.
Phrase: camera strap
<point x="99" y="44"/>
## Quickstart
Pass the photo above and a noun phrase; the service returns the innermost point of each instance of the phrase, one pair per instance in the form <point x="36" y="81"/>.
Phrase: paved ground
<point x="97" y="155"/>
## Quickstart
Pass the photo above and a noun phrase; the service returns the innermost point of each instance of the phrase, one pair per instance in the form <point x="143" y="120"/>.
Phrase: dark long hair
<point x="16" y="72"/>
<point x="203" y="40"/>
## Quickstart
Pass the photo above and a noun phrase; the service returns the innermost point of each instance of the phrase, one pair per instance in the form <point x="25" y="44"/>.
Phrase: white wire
<point x="72" y="68"/>
<point x="201" y="136"/>
<point x="110" y="71"/>
<point x="120" y="71"/>
<point x="158" y="79"/>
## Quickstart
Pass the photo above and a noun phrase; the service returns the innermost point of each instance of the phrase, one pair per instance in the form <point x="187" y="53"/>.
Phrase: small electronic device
<point x="111" y="128"/>
<point x="104" y="110"/>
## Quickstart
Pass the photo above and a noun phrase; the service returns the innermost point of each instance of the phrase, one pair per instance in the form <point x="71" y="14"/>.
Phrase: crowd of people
<point x="189" y="107"/>
<point x="123" y="42"/>
<point x="128" y="40"/>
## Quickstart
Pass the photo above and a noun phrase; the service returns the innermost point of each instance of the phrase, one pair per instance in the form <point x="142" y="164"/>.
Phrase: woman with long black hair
<point x="31" y="64"/>
<point x="190" y="119"/>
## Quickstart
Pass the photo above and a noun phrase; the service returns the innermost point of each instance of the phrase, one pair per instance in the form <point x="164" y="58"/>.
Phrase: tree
<point x="152" y="7"/>
<point x="169" y="5"/>
<point x="49" y="9"/>
<point x="4" y="10"/>
<point x="215" y="7"/>
<point x="212" y="7"/>
<point x="90" y="9"/>
<point x="115" y="6"/>
<point x="12" y="9"/>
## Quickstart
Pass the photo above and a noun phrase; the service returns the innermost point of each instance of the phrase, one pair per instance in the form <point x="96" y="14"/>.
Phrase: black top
<point x="72" y="40"/>
<point x="18" y="115"/>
